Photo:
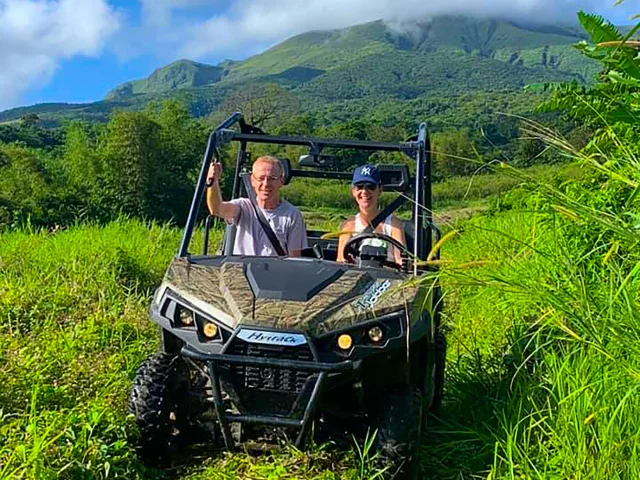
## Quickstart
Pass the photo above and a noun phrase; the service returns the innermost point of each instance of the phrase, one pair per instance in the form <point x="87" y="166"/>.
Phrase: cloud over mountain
<point x="255" y="24"/>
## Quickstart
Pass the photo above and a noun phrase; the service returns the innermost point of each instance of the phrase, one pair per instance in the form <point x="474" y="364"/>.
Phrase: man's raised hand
<point x="215" y="170"/>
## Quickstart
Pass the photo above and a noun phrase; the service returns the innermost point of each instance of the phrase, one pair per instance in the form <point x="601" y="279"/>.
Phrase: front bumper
<point x="307" y="398"/>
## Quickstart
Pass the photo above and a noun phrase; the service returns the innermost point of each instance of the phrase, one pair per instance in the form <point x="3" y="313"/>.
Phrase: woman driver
<point x="366" y="188"/>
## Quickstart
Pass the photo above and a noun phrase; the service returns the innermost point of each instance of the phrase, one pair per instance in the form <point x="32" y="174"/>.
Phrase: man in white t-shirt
<point x="286" y="220"/>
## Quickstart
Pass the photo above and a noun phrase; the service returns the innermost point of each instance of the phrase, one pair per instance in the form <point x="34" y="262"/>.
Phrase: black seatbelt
<point x="261" y="218"/>
<point x="384" y="214"/>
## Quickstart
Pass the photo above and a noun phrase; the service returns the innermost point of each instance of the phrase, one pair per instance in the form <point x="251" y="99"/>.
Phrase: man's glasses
<point x="267" y="178"/>
<point x="366" y="186"/>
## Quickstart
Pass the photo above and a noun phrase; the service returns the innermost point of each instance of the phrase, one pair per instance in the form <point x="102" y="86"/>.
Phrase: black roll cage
<point x="417" y="148"/>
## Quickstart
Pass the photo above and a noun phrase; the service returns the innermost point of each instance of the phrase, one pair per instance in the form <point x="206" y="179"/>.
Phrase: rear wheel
<point x="166" y="399"/>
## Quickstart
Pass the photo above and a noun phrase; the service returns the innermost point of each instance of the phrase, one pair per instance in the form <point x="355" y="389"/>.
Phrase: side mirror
<point x="317" y="161"/>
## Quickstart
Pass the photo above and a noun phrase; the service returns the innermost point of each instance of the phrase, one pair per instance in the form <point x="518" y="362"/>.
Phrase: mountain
<point x="365" y="63"/>
<point x="180" y="74"/>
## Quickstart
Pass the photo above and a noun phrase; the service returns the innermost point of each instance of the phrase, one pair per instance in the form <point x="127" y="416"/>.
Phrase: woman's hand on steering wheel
<point x="351" y="249"/>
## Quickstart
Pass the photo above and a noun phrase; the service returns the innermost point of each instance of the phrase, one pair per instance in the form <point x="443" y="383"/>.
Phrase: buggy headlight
<point x="376" y="334"/>
<point x="179" y="315"/>
<point x="185" y="316"/>
<point x="186" y="319"/>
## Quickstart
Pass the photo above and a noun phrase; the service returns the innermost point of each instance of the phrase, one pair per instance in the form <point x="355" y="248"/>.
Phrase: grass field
<point x="543" y="363"/>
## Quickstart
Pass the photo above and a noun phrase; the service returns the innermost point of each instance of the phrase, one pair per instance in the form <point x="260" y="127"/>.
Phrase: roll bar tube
<point x="422" y="217"/>
<point x="197" y="196"/>
<point x="422" y="206"/>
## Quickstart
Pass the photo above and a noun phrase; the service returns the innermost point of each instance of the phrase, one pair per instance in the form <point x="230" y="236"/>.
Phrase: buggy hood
<point x="304" y="295"/>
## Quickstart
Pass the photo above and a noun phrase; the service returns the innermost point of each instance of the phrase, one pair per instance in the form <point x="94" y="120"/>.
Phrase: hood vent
<point x="294" y="280"/>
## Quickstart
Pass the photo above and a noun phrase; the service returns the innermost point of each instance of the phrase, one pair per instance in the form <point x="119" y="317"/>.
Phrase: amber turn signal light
<point x="345" y="341"/>
<point x="210" y="330"/>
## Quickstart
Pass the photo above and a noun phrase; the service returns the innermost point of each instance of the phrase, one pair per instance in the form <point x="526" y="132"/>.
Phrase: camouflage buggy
<point x="256" y="349"/>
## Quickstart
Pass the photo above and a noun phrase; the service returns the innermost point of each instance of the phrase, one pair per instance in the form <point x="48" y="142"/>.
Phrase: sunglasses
<point x="366" y="186"/>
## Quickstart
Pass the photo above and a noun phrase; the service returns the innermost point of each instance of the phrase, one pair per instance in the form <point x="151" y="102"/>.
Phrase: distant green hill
<point x="180" y="74"/>
<point x="368" y="63"/>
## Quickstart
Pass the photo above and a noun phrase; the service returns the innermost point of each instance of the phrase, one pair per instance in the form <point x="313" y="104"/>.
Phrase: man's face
<point x="266" y="179"/>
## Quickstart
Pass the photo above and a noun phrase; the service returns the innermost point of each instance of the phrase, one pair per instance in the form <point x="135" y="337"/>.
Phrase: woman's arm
<point x="347" y="226"/>
<point x="397" y="232"/>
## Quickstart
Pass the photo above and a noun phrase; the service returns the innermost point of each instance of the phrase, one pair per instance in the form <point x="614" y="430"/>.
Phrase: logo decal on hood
<point x="372" y="295"/>
<point x="271" y="338"/>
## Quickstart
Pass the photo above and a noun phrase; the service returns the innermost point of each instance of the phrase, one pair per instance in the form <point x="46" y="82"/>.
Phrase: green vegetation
<point x="545" y="315"/>
<point x="140" y="164"/>
<point x="542" y="307"/>
<point x="459" y="75"/>
<point x="180" y="74"/>
<point x="144" y="163"/>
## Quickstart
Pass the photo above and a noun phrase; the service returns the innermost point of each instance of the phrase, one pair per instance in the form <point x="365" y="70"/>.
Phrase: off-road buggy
<point x="257" y="348"/>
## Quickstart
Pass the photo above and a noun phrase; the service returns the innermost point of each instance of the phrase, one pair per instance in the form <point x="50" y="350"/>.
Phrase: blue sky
<point x="78" y="50"/>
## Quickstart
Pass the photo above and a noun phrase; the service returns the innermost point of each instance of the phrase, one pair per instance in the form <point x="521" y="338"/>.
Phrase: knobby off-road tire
<point x="166" y="406"/>
<point x="399" y="431"/>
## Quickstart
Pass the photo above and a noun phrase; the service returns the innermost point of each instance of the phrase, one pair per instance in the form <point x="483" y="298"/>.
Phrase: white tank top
<point x="360" y="225"/>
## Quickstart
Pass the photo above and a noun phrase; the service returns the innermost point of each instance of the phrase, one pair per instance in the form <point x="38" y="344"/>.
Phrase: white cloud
<point x="251" y="23"/>
<point x="36" y="34"/>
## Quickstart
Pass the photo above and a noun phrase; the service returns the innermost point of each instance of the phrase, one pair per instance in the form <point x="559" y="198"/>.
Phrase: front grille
<point x="268" y="378"/>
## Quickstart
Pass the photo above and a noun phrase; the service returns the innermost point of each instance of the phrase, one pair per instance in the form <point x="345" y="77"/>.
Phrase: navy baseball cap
<point x="366" y="174"/>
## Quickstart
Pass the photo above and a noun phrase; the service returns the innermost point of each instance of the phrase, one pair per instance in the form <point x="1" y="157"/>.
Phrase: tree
<point x="23" y="189"/>
<point x="131" y="156"/>
<point x="81" y="159"/>
<point x="29" y="120"/>
<point x="453" y="154"/>
<point x="182" y="144"/>
<point x="262" y="105"/>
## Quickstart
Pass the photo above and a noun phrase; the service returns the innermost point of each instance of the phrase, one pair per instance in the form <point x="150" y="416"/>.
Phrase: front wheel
<point x="399" y="431"/>
<point x="166" y="398"/>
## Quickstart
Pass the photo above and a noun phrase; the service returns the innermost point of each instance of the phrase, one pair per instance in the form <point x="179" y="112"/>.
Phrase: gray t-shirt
<point x="285" y="220"/>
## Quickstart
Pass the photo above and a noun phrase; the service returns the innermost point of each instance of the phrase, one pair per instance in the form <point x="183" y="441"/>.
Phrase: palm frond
<point x="599" y="29"/>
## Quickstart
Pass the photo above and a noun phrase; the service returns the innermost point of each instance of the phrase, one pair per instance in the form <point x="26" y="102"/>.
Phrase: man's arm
<point x="217" y="206"/>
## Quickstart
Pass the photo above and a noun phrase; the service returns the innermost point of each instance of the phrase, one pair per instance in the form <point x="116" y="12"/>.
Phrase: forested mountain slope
<point x="375" y="61"/>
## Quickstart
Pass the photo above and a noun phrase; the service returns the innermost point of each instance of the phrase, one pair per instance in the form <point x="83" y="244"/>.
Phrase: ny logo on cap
<point x="366" y="171"/>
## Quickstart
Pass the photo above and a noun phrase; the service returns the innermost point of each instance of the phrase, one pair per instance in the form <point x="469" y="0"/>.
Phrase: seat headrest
<point x="394" y="177"/>
<point x="286" y="169"/>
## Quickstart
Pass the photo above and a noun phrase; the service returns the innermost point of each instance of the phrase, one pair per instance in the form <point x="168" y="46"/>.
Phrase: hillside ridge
<point x="445" y="56"/>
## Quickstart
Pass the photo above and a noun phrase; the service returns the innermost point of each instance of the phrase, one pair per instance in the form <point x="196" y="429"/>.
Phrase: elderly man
<point x="285" y="220"/>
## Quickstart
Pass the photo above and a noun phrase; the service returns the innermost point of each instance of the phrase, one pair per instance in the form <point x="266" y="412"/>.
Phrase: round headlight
<point x="210" y="330"/>
<point x="345" y="341"/>
<point x="376" y="334"/>
<point x="186" y="317"/>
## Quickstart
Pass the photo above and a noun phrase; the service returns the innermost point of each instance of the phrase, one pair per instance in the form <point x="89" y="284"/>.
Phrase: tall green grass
<point x="73" y="330"/>
<point x="543" y="378"/>
<point x="73" y="308"/>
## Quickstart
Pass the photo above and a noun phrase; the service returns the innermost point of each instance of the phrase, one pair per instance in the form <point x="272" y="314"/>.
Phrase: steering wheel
<point x="351" y="249"/>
